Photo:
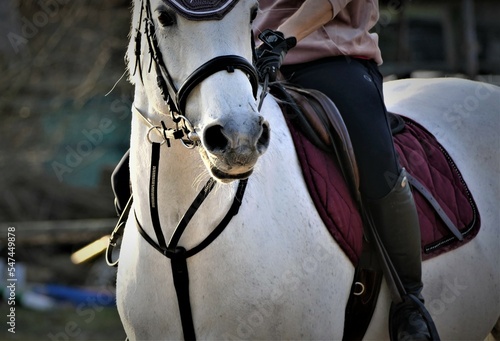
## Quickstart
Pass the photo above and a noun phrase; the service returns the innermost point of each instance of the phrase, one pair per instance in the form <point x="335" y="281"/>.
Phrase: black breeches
<point x="355" y="86"/>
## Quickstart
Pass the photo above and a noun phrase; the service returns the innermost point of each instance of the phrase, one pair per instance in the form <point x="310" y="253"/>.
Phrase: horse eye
<point x="166" y="19"/>
<point x="253" y="14"/>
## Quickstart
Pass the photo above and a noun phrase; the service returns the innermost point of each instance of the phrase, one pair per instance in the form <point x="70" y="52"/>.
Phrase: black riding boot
<point x="396" y="220"/>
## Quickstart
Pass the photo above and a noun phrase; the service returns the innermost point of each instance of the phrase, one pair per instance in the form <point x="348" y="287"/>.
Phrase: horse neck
<point x="181" y="175"/>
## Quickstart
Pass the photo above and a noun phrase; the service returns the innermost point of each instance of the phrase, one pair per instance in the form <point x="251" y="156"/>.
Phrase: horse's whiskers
<point x="201" y="179"/>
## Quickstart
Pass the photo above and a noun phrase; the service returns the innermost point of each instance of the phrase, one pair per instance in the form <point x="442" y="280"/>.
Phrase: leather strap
<point x="183" y="223"/>
<point x="180" y="275"/>
<point x="233" y="210"/>
<point x="364" y="295"/>
<point x="221" y="63"/>
<point x="173" y="97"/>
<point x="117" y="233"/>
<point x="319" y="119"/>
<point x="433" y="202"/>
<point x="153" y="195"/>
<point x="177" y="254"/>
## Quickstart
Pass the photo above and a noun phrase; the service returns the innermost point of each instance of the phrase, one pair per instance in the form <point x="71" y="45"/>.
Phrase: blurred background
<point x="63" y="130"/>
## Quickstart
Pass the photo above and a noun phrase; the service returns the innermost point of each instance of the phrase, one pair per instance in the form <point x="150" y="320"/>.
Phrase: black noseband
<point x="221" y="63"/>
<point x="176" y="99"/>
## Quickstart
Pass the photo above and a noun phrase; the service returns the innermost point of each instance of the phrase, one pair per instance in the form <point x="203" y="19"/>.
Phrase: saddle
<point x="329" y="168"/>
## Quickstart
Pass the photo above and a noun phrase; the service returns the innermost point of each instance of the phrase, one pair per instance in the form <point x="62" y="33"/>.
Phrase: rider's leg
<point x="395" y="218"/>
<point x="356" y="88"/>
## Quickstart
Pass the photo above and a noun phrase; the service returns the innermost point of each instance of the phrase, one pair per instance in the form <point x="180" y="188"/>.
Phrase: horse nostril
<point x="264" y="138"/>
<point x="215" y="140"/>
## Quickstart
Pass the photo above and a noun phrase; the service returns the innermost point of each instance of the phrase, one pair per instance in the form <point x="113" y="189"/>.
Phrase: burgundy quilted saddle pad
<point x="423" y="157"/>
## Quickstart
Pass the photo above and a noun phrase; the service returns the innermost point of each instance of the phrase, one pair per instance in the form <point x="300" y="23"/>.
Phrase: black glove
<point x="271" y="53"/>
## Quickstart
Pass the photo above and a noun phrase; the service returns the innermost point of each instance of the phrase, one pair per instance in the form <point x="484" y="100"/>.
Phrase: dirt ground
<point x="66" y="323"/>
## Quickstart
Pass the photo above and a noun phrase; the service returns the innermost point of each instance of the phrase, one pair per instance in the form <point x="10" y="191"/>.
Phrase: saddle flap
<point x="320" y="121"/>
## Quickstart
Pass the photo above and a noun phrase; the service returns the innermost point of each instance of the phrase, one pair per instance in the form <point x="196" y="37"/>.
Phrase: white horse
<point x="276" y="272"/>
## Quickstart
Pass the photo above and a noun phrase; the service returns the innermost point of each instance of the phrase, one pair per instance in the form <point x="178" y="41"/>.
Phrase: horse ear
<point x="253" y="14"/>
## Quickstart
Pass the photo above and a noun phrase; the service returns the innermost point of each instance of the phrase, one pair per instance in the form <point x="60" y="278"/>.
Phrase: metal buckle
<point x="159" y="129"/>
<point x="360" y="289"/>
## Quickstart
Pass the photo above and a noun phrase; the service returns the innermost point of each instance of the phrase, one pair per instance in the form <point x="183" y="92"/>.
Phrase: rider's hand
<point x="271" y="52"/>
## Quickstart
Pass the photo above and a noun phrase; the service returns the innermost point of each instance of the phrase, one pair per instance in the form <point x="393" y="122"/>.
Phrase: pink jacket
<point x="347" y="34"/>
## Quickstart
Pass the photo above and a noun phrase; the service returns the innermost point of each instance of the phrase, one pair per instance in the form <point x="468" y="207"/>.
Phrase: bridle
<point x="176" y="99"/>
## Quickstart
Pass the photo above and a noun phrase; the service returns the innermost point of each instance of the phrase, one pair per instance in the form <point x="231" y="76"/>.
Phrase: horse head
<point x="207" y="84"/>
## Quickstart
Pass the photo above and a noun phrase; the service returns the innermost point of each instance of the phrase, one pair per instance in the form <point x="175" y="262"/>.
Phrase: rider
<point x="336" y="54"/>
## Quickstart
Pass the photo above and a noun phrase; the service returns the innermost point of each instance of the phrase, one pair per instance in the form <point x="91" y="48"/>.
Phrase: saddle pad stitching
<point x="337" y="233"/>
<point x="471" y="226"/>
<point x="427" y="149"/>
<point x="451" y="207"/>
<point x="348" y="237"/>
<point x="406" y="155"/>
<point x="423" y="149"/>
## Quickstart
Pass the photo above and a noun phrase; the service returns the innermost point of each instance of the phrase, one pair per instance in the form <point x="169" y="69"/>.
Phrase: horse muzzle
<point x="231" y="150"/>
